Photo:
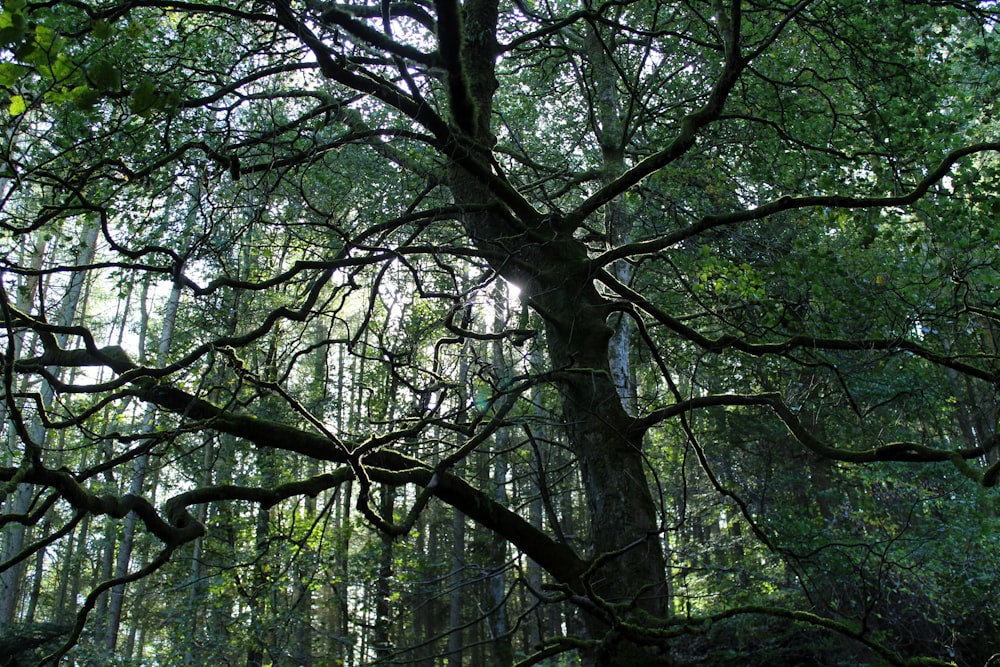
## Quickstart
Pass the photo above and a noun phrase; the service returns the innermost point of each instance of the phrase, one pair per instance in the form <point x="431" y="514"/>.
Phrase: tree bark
<point x="457" y="595"/>
<point x="382" y="640"/>
<point x="117" y="594"/>
<point x="610" y="131"/>
<point x="554" y="272"/>
<point x="14" y="538"/>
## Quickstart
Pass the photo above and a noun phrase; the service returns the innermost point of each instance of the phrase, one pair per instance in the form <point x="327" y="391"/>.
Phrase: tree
<point x="777" y="215"/>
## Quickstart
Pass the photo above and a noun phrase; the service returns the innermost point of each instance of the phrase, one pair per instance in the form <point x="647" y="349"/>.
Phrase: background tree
<point x="501" y="331"/>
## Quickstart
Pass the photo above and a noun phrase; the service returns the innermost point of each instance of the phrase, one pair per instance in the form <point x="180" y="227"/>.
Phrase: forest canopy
<point x="492" y="332"/>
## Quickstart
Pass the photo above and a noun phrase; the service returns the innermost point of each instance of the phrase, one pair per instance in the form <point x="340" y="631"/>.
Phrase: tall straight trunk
<point x="500" y="637"/>
<point x="338" y="619"/>
<point x="25" y="297"/>
<point x="105" y="568"/>
<point x="13" y="543"/>
<point x="536" y="506"/>
<point x="196" y="587"/>
<point x="65" y="568"/>
<point x="18" y="500"/>
<point x="76" y="564"/>
<point x="117" y="594"/>
<point x="14" y="536"/>
<point x="306" y="570"/>
<point x="425" y="620"/>
<point x="342" y="624"/>
<point x="36" y="579"/>
<point x="456" y="597"/>
<point x="263" y="585"/>
<point x="382" y="640"/>
<point x="503" y="650"/>
<point x="218" y="616"/>
<point x="138" y="614"/>
<point x="258" y="638"/>
<point x="301" y="651"/>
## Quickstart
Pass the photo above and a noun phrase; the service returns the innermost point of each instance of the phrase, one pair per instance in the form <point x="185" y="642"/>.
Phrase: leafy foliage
<point x="490" y="331"/>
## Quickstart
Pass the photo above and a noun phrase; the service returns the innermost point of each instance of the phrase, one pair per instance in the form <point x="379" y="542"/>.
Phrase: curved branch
<point x="81" y="618"/>
<point x="264" y="497"/>
<point x="795" y="203"/>
<point x="42" y="543"/>
<point x="906" y="452"/>
<point x="178" y="528"/>
<point x="781" y="348"/>
<point x="691" y="125"/>
<point x="334" y="16"/>
<point x="333" y="68"/>
<point x="380" y="463"/>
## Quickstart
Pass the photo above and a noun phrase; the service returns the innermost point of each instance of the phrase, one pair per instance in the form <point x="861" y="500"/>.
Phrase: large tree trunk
<point x="624" y="526"/>
<point x="553" y="270"/>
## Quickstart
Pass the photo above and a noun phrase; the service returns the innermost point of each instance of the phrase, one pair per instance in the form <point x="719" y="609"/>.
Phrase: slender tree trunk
<point x="258" y="637"/>
<point x="117" y="594"/>
<point x="36" y="579"/>
<point x="196" y="586"/>
<point x="425" y="595"/>
<point x="301" y="649"/>
<point x="503" y="652"/>
<point x="456" y="596"/>
<point x="14" y="537"/>
<point x="500" y="637"/>
<point x="77" y="566"/>
<point x="536" y="510"/>
<point x="610" y="133"/>
<point x="382" y="640"/>
<point x="17" y="501"/>
<point x="218" y="616"/>
<point x="137" y="618"/>
<point x="342" y="627"/>
<point x="124" y="557"/>
<point x="65" y="567"/>
<point x="139" y="606"/>
<point x="105" y="568"/>
<point x="338" y="618"/>
<point x="260" y="591"/>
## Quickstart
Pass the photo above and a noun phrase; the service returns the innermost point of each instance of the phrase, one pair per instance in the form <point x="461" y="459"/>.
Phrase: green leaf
<point x="83" y="96"/>
<point x="11" y="73"/>
<point x="12" y="28"/>
<point x="17" y="105"/>
<point x="63" y="68"/>
<point x="87" y="98"/>
<point x="44" y="52"/>
<point x="105" y="76"/>
<point x="47" y="40"/>
<point x="102" y="29"/>
<point x="144" y="97"/>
